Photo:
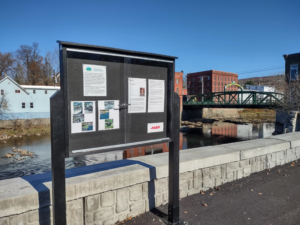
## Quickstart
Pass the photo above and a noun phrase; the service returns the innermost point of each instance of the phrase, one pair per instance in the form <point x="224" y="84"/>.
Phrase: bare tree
<point x="291" y="91"/>
<point x="6" y="62"/>
<point x="32" y="61"/>
<point x="4" y="106"/>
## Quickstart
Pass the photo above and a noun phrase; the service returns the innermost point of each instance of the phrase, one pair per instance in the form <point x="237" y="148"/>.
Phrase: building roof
<point x="41" y="87"/>
<point x="14" y="82"/>
<point x="212" y="71"/>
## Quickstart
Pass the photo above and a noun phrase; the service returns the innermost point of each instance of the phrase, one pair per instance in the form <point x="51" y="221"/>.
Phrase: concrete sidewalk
<point x="270" y="197"/>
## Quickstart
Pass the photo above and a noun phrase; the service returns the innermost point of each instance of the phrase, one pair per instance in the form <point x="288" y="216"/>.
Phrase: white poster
<point x="83" y="116"/>
<point x="94" y="80"/>
<point x="155" y="127"/>
<point x="108" y="115"/>
<point x="137" y="95"/>
<point x="156" y="97"/>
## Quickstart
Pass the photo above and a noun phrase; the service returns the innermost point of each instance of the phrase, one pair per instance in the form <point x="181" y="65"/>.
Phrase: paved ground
<point x="264" y="198"/>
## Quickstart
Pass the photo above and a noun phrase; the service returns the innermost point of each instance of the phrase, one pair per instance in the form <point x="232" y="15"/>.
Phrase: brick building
<point x="178" y="86"/>
<point x="213" y="81"/>
<point x="292" y="66"/>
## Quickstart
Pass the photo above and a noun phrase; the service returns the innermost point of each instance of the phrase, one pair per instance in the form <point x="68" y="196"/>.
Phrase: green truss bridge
<point x="235" y="99"/>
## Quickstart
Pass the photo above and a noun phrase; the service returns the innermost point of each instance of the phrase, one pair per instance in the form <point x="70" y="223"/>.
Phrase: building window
<point x="45" y="92"/>
<point x="208" y="84"/>
<point x="293" y="72"/>
<point x="177" y="81"/>
<point x="221" y="78"/>
<point x="177" y="90"/>
<point x="2" y="92"/>
<point x="225" y="78"/>
<point x="31" y="104"/>
<point x="193" y="79"/>
<point x="17" y="91"/>
<point x="33" y="91"/>
<point x="23" y="105"/>
<point x="207" y="78"/>
<point x="193" y="91"/>
<point x="218" y="78"/>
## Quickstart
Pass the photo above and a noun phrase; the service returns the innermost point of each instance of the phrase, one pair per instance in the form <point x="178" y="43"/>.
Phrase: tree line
<point x="27" y="66"/>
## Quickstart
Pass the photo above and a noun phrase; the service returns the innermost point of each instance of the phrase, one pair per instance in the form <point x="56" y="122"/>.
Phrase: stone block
<point x="165" y="197"/>
<point x="111" y="221"/>
<point x="103" y="214"/>
<point x="208" y="183"/>
<point x="145" y="190"/>
<point x="107" y="199"/>
<point x="92" y="203"/>
<point x="244" y="163"/>
<point x="147" y="208"/>
<point x="273" y="157"/>
<point x="205" y="173"/>
<point x="247" y="170"/>
<point x="263" y="165"/>
<point x="197" y="179"/>
<point x="33" y="216"/>
<point x="43" y="213"/>
<point x="75" y="212"/>
<point x="133" y="214"/>
<point x="232" y="166"/>
<point x="271" y="165"/>
<point x="182" y="193"/>
<point x="161" y="185"/>
<point x="122" y="217"/>
<point x="89" y="218"/>
<point x="4" y="221"/>
<point x="229" y="176"/>
<point x="263" y="158"/>
<point x="186" y="176"/>
<point x="193" y="191"/>
<point x="240" y="173"/>
<point x="218" y="181"/>
<point x="136" y="192"/>
<point x="137" y="206"/>
<point x="290" y="152"/>
<point x="184" y="184"/>
<point x="158" y="200"/>
<point x="257" y="158"/>
<point x="18" y="219"/>
<point x="269" y="158"/>
<point x="215" y="172"/>
<point x="223" y="171"/>
<point x="122" y="200"/>
<point x="279" y="155"/>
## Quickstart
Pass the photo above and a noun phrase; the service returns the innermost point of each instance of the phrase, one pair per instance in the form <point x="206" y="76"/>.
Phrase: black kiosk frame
<point x="70" y="136"/>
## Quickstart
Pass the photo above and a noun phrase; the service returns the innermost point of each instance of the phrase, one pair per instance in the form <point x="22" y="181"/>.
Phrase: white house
<point x="260" y="88"/>
<point x="26" y="101"/>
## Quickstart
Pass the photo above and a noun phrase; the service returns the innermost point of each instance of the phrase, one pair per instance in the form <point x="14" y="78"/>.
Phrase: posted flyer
<point x="137" y="95"/>
<point x="83" y="116"/>
<point x="156" y="97"/>
<point x="108" y="115"/>
<point x="94" y="80"/>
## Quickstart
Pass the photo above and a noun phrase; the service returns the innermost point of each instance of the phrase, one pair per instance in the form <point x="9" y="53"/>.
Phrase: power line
<point x="260" y="70"/>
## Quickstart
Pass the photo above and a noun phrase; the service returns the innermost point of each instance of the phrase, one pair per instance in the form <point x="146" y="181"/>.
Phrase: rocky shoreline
<point x="198" y="123"/>
<point x="4" y="137"/>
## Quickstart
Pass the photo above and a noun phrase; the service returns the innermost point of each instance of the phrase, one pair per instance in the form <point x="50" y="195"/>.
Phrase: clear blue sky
<point x="230" y="36"/>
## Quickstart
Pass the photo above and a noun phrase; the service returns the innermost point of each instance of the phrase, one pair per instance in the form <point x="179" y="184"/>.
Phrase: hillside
<point x="275" y="80"/>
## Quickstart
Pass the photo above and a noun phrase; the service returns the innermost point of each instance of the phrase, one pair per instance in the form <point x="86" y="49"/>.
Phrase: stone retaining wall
<point x="107" y="193"/>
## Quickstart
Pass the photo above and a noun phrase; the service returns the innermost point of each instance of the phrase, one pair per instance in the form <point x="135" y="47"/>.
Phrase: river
<point x="209" y="134"/>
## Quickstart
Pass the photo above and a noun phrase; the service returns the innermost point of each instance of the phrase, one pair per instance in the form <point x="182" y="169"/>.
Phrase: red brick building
<point x="213" y="81"/>
<point x="178" y="86"/>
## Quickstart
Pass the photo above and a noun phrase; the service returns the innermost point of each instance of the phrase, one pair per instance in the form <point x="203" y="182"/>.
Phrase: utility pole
<point x="201" y="79"/>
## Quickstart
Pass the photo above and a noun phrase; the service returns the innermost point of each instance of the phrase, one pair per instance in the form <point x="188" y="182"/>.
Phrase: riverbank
<point x="38" y="130"/>
<point x="197" y="123"/>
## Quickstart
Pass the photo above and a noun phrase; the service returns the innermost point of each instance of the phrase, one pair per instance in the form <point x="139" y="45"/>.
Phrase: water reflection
<point x="209" y="134"/>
